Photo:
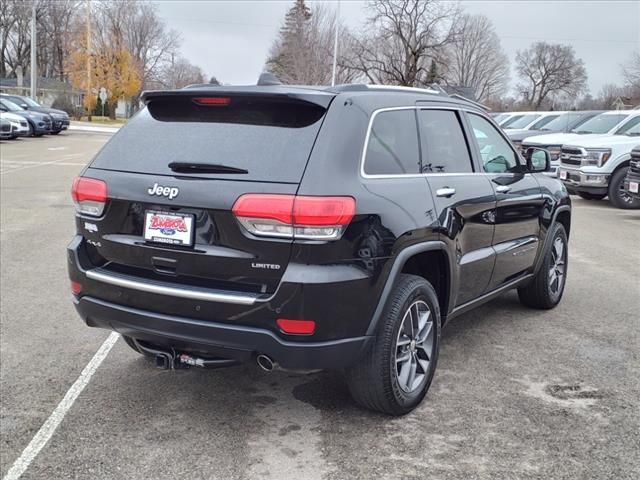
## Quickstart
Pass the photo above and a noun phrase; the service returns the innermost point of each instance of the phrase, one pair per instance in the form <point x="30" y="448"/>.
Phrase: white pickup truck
<point x="607" y="123"/>
<point x="596" y="167"/>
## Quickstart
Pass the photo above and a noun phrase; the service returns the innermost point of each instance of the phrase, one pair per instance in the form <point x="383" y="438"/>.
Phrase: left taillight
<point x="294" y="216"/>
<point x="89" y="195"/>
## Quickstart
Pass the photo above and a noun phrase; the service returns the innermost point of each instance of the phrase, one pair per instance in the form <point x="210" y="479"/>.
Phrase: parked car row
<point x="26" y="117"/>
<point x="590" y="151"/>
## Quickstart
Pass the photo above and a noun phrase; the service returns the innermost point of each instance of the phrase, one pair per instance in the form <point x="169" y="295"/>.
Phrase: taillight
<point x="89" y="195"/>
<point x="291" y="216"/>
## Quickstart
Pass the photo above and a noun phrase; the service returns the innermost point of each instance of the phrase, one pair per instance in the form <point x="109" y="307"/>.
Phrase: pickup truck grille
<point x="571" y="156"/>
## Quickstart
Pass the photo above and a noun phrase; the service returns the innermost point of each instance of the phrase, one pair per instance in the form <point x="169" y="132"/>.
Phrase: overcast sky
<point x="231" y="39"/>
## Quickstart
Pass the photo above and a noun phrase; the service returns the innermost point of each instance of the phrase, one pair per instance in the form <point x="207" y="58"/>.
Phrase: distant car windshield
<point x="522" y="122"/>
<point x="631" y="128"/>
<point x="602" y="123"/>
<point x="500" y="117"/>
<point x="28" y="101"/>
<point x="509" y="120"/>
<point x="560" y="123"/>
<point x="9" y="105"/>
<point x="543" y="121"/>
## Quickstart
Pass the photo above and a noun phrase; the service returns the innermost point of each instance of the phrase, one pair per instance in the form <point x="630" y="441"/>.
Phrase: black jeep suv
<point x="311" y="228"/>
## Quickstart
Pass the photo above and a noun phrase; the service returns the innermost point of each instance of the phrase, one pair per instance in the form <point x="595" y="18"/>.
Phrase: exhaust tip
<point x="266" y="363"/>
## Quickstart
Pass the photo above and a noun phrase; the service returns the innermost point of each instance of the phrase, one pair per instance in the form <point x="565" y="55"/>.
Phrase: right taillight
<point x="89" y="195"/>
<point x="292" y="216"/>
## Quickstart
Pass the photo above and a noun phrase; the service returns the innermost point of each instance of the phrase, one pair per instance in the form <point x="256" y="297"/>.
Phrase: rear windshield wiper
<point x="189" y="167"/>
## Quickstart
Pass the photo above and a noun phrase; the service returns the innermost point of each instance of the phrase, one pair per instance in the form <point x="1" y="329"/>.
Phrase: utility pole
<point x="88" y="57"/>
<point x="335" y="46"/>
<point x="34" y="46"/>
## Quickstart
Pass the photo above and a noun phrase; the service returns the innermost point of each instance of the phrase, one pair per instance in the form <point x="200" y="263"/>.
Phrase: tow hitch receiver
<point x="172" y="360"/>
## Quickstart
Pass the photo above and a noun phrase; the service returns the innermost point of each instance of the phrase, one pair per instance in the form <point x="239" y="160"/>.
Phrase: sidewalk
<point x="92" y="127"/>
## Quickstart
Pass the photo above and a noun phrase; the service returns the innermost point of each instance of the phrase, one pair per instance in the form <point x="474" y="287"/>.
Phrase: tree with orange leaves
<point x="111" y="67"/>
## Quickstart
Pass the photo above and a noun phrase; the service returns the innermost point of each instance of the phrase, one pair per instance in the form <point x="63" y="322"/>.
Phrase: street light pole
<point x="34" y="46"/>
<point x="335" y="46"/>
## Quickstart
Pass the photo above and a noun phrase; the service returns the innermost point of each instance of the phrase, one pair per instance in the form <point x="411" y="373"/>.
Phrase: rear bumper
<point x="226" y="324"/>
<point x="240" y="343"/>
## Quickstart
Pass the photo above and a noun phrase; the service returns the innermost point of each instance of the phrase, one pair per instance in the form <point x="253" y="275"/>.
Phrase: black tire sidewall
<point x="420" y="289"/>
<point x="617" y="179"/>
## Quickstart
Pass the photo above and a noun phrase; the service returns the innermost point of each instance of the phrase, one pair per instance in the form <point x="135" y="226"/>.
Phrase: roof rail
<point x="362" y="87"/>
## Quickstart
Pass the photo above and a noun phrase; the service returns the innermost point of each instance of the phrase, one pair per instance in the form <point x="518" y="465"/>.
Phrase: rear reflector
<point x="291" y="216"/>
<point x="75" y="288"/>
<point x="213" y="101"/>
<point x="296" y="327"/>
<point x="89" y="195"/>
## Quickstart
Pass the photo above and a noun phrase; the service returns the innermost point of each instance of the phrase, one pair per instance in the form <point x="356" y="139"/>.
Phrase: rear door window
<point x="392" y="148"/>
<point x="444" y="146"/>
<point x="270" y="139"/>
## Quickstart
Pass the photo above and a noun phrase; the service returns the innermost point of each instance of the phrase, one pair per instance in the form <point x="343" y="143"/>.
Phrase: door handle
<point x="445" y="192"/>
<point x="503" y="189"/>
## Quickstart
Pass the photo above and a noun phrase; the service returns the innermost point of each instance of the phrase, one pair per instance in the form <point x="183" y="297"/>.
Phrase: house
<point x="625" y="103"/>
<point x="47" y="91"/>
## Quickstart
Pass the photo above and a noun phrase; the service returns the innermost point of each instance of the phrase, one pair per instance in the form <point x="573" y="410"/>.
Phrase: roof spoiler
<point x="274" y="92"/>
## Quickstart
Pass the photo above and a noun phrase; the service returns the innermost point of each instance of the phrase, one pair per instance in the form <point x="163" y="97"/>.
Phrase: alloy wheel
<point x="414" y="347"/>
<point x="558" y="265"/>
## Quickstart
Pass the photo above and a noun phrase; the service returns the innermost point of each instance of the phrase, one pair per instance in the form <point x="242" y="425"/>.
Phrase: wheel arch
<point x="429" y="260"/>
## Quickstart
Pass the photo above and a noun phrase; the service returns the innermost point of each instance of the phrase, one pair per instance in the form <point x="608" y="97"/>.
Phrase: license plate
<point x="563" y="174"/>
<point x="633" y="187"/>
<point x="170" y="228"/>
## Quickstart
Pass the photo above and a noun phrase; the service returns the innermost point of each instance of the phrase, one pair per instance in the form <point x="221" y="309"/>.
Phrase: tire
<point x="617" y="196"/>
<point x="546" y="289"/>
<point x="592" y="196"/>
<point x="381" y="381"/>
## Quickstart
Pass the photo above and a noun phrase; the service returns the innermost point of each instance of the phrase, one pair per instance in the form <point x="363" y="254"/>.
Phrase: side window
<point x="444" y="148"/>
<point x="497" y="155"/>
<point x="393" y="144"/>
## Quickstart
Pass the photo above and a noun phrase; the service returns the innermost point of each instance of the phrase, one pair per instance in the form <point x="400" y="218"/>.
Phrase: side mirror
<point x="25" y="106"/>
<point x="538" y="160"/>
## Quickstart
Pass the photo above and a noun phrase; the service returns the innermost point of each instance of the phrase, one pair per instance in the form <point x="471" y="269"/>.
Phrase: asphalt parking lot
<point x="517" y="394"/>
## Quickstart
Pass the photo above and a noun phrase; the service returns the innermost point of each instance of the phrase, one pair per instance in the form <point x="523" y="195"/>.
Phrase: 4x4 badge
<point x="161" y="191"/>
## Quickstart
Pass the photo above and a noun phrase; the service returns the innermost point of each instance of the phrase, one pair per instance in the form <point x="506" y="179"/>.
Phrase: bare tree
<point x="137" y="27"/>
<point x="56" y="28"/>
<point x="631" y="70"/>
<point x="401" y="38"/>
<point x="182" y="73"/>
<point x="549" y="69"/>
<point x="476" y="58"/>
<point x="608" y="93"/>
<point x="303" y="51"/>
<point x="16" y="35"/>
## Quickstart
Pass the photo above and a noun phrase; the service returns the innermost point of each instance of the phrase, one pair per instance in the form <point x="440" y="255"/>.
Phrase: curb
<point x="90" y="128"/>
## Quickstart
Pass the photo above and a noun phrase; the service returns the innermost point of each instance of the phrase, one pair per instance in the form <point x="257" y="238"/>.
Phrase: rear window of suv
<point x="270" y="139"/>
<point x="392" y="148"/>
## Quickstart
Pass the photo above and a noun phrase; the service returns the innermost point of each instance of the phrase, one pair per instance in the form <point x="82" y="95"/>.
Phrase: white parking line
<point x="49" y="427"/>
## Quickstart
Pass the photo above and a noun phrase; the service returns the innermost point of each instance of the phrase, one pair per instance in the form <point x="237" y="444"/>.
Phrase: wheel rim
<point x="624" y="196"/>
<point x="558" y="266"/>
<point x="414" y="347"/>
